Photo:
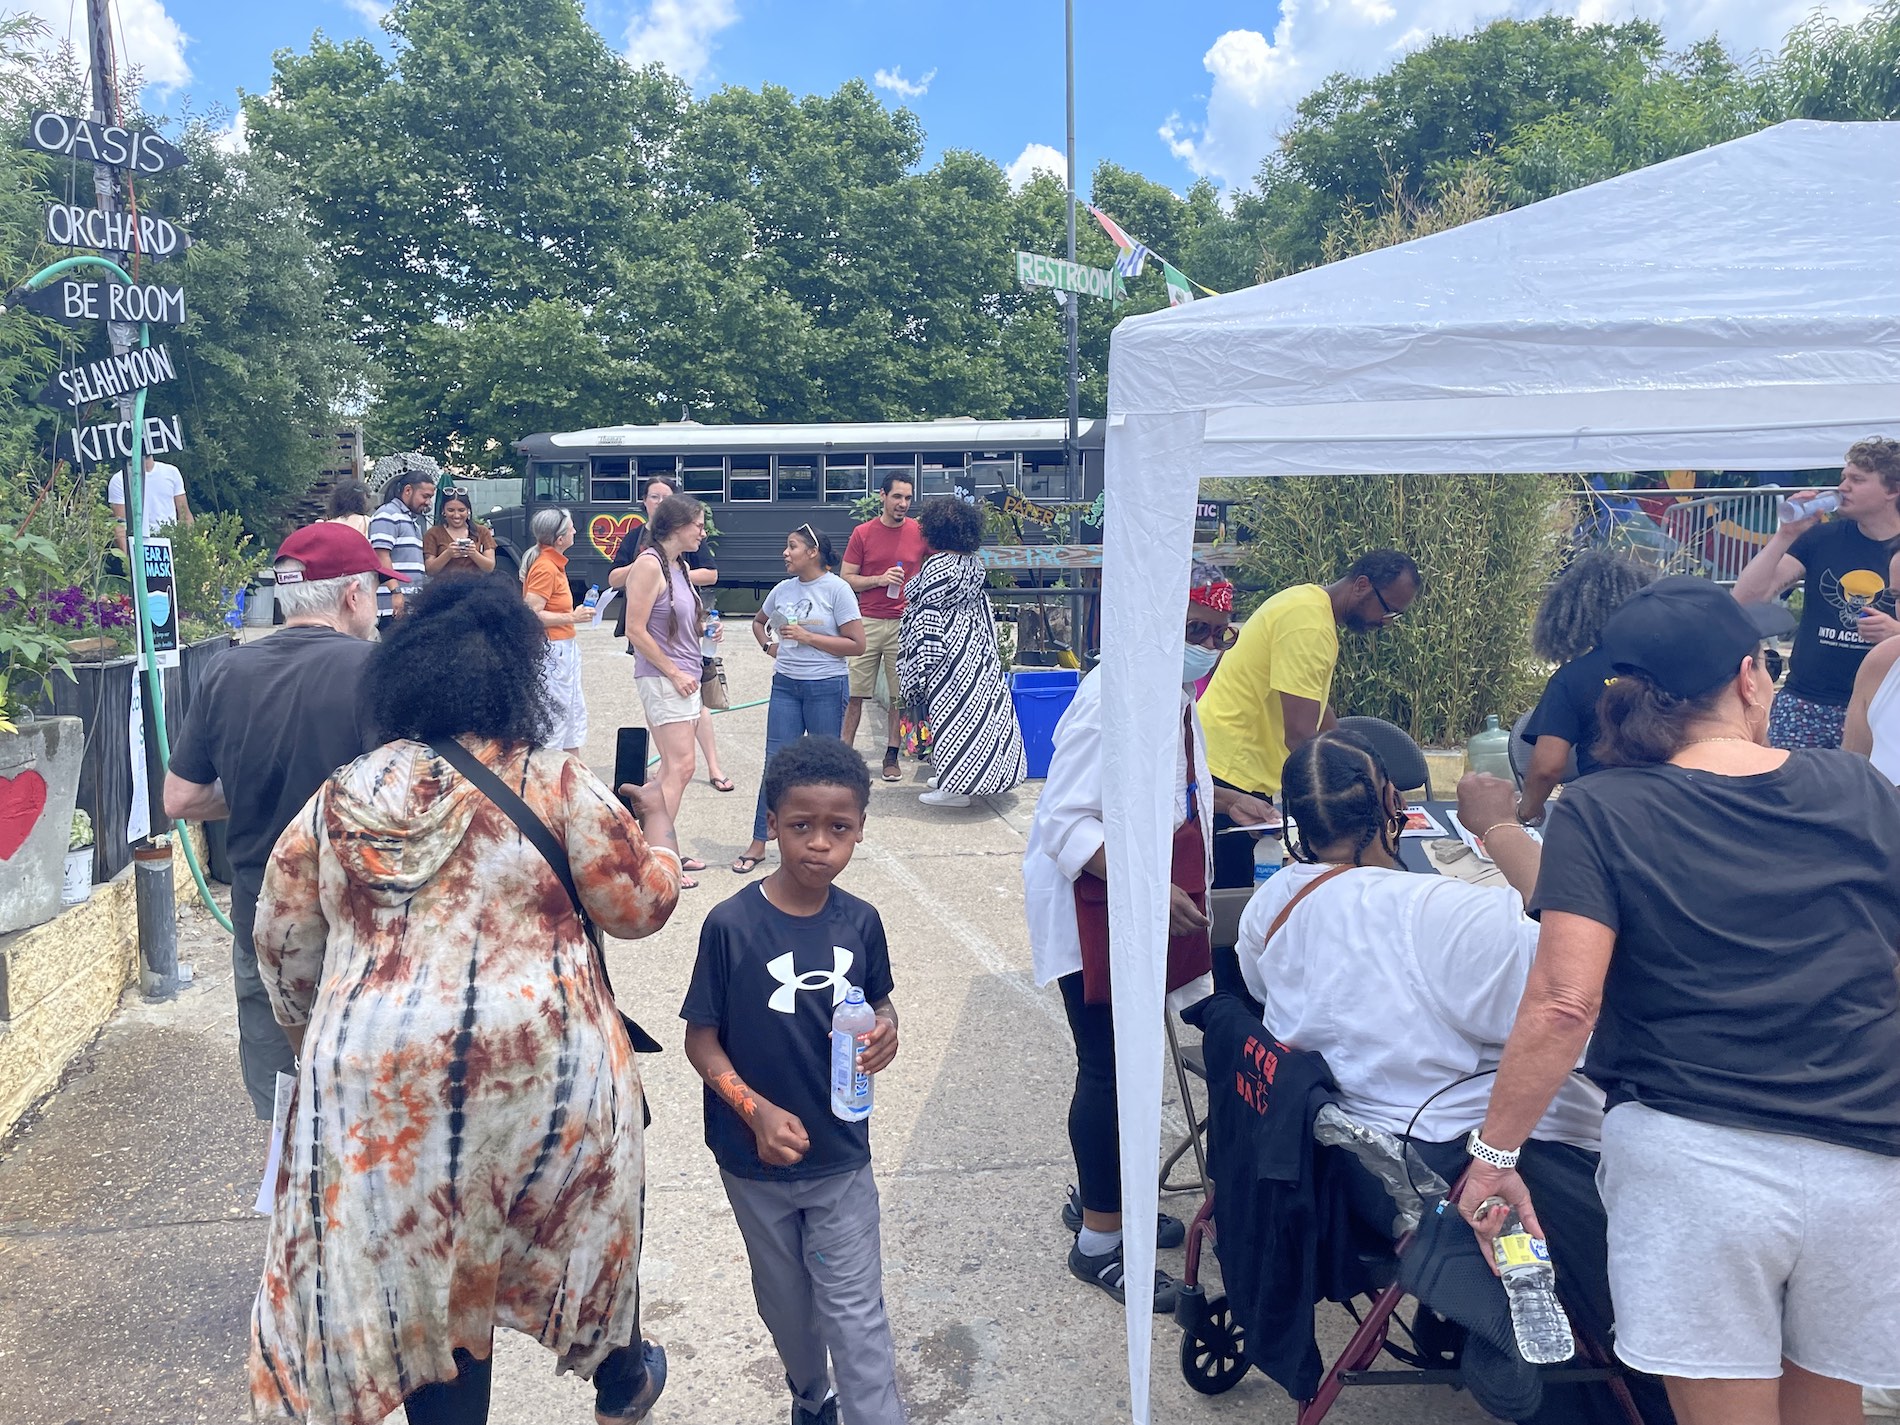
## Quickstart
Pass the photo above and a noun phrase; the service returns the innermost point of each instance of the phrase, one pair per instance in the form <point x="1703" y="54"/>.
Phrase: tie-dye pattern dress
<point x="465" y="1150"/>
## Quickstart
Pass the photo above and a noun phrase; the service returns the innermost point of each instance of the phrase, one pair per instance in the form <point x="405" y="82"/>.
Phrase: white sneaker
<point x="943" y="799"/>
<point x="933" y="783"/>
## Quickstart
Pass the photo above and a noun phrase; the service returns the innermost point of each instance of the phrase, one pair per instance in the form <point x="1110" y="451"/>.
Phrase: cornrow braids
<point x="1333" y="788"/>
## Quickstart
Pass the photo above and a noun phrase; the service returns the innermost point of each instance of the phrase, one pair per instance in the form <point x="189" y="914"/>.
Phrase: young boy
<point x="774" y="960"/>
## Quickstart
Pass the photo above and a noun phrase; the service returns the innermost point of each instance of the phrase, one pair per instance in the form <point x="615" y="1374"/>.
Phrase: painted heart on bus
<point x="605" y="532"/>
<point x="22" y="799"/>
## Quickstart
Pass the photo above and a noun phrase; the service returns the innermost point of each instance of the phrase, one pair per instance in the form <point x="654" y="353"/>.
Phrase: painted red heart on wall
<point x="605" y="532"/>
<point x="22" y="799"/>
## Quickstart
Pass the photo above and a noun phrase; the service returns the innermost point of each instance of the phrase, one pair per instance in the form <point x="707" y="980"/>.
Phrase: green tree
<point x="1830" y="69"/>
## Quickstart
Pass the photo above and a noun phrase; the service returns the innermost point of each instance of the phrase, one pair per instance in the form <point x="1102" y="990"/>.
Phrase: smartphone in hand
<point x="630" y="760"/>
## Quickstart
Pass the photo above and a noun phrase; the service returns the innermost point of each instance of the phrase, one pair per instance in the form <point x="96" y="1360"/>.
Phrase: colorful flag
<point x="1179" y="292"/>
<point x="1134" y="255"/>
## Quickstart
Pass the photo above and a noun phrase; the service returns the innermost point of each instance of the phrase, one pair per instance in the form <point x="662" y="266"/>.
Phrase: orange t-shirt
<point x="547" y="576"/>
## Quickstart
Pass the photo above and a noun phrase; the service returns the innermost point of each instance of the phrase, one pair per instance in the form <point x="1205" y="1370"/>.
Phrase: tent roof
<point x="1738" y="307"/>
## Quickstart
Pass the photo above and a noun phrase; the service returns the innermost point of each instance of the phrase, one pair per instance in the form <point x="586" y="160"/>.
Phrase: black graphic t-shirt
<point x="768" y="982"/>
<point x="1846" y="572"/>
<point x="1568" y="708"/>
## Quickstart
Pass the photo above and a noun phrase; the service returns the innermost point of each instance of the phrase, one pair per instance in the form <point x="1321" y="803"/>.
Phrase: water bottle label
<point x="843" y="1055"/>
<point x="1520" y="1249"/>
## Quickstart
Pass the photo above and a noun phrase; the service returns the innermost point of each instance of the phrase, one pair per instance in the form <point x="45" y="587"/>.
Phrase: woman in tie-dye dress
<point x="465" y="1150"/>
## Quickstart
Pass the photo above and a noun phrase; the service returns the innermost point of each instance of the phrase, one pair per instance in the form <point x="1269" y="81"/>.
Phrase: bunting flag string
<point x="1135" y="256"/>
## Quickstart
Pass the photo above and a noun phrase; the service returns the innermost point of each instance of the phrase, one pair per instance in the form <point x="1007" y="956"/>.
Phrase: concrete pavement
<point x="129" y="1254"/>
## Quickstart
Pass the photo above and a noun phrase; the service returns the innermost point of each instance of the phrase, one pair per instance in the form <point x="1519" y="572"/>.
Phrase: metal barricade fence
<point x="1713" y="533"/>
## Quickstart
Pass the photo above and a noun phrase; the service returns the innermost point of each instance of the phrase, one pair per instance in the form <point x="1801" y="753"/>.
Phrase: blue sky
<point x="1192" y="88"/>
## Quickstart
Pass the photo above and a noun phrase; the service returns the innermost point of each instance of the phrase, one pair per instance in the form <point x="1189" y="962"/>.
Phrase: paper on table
<point x="1420" y="822"/>
<point x="279" y="1128"/>
<point x="1476" y="845"/>
<point x="608" y="595"/>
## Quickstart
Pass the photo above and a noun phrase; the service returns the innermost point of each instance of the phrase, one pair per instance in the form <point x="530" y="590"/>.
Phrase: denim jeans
<point x="799" y="706"/>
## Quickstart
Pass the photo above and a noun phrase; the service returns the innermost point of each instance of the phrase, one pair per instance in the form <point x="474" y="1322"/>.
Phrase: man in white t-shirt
<point x="163" y="497"/>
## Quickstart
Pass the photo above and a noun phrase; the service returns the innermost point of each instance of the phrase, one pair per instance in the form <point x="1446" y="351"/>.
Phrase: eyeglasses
<point x="1220" y="637"/>
<point x="1392" y="615"/>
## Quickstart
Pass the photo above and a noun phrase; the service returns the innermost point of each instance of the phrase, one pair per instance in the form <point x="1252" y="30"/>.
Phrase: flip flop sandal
<point x="746" y="865"/>
<point x="720" y="784"/>
<point x="687" y="883"/>
<point x="692" y="863"/>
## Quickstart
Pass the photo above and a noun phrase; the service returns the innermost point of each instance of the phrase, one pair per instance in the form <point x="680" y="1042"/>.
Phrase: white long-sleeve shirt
<point x="1068" y="827"/>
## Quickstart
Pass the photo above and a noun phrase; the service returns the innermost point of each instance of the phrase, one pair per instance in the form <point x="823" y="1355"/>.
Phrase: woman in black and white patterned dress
<point x="949" y="664"/>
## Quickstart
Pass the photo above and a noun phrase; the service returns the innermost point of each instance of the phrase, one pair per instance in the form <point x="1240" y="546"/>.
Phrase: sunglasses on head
<point x="1217" y="636"/>
<point x="811" y="535"/>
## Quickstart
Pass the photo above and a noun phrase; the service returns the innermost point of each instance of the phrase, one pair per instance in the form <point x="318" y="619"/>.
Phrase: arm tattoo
<point x="733" y="1090"/>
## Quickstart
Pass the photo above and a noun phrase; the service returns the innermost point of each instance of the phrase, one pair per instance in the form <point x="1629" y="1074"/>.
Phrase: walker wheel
<point x="1214" y="1353"/>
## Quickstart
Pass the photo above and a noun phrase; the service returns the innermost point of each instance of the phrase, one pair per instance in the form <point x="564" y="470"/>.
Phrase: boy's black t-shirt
<point x="1752" y="981"/>
<point x="1845" y="572"/>
<point x="768" y="982"/>
<point x="1568" y="708"/>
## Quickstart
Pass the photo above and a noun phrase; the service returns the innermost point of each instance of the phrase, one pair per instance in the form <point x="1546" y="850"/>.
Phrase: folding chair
<point x="1224" y="908"/>
<point x="1404" y="760"/>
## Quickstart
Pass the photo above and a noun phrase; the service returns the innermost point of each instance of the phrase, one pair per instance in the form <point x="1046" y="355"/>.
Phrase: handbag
<point x="544" y="841"/>
<point x="713" y="692"/>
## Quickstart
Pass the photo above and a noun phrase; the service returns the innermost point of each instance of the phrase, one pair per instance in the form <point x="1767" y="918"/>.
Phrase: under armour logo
<point x="785" y="998"/>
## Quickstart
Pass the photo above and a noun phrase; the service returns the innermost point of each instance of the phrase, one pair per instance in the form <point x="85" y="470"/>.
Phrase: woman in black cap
<point x="1724" y="916"/>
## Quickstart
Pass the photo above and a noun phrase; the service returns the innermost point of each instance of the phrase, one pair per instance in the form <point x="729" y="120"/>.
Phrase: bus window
<point x="797" y="477"/>
<point x="613" y="480"/>
<point x="940" y="472"/>
<point x="650" y="465"/>
<point x="844" y="479"/>
<point x="751" y="480"/>
<point x="891" y="465"/>
<point x="704" y="478"/>
<point x="1046" y="477"/>
<point x="558" y="482"/>
<point x="994" y="472"/>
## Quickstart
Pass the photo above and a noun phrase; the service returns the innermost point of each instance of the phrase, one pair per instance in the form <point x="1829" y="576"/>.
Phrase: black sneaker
<point x="827" y="1413"/>
<point x="1169" y="1231"/>
<point x="1106" y="1272"/>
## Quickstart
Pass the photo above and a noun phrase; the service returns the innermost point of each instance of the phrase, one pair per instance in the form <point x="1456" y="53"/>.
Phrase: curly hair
<point x="817" y="762"/>
<point x="467" y="659"/>
<point x="1333" y="790"/>
<point x="1580" y="601"/>
<point x="350" y="497"/>
<point x="951" y="525"/>
<point x="1878" y="455"/>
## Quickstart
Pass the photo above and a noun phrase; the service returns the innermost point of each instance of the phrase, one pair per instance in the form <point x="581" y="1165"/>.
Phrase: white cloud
<point x="150" y="38"/>
<point x="370" y="12"/>
<point x="237" y="138"/>
<point x="893" y="80"/>
<point x="679" y="34"/>
<point x="1036" y="158"/>
<point x="1257" y="81"/>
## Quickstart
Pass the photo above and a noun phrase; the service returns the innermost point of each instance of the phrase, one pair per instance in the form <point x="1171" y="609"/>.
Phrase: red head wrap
<point x="1214" y="596"/>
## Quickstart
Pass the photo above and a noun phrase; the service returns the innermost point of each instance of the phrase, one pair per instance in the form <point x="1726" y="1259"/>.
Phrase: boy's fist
<point x="880" y="1047"/>
<point x="781" y="1137"/>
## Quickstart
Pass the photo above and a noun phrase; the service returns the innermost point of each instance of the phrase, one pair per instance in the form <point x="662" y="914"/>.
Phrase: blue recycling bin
<point x="1041" y="696"/>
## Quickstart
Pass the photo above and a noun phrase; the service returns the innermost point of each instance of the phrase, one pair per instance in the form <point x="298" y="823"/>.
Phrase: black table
<point x="1412" y="854"/>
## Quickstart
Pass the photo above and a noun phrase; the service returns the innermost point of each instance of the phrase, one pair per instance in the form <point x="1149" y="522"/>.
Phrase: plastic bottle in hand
<point x="1825" y="503"/>
<point x="851" y="1024"/>
<point x="1266" y="858"/>
<point x="592" y="601"/>
<point x="1543" y="1331"/>
<point x="709" y="640"/>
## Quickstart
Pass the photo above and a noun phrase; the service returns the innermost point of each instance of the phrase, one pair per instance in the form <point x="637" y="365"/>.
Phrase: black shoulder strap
<point x="517" y="811"/>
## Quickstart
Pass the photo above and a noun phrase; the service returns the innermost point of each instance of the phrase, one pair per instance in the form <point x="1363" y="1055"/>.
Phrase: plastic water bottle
<point x="1825" y="503"/>
<point x="709" y="640"/>
<point x="1266" y="858"/>
<point x="851" y="1024"/>
<point x="593" y="597"/>
<point x="1542" y="1329"/>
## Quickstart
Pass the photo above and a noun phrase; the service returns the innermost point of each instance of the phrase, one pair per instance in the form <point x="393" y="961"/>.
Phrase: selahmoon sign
<point x="74" y="300"/>
<point x="139" y="150"/>
<point x="1034" y="270"/>
<point x="103" y="444"/>
<point x="70" y="226"/>
<point x="110" y="377"/>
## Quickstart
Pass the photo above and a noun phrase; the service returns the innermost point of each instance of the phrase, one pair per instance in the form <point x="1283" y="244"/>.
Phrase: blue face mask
<point x="1197" y="662"/>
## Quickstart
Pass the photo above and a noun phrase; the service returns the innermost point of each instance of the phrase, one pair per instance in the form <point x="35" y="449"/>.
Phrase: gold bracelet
<point x="1485" y="835"/>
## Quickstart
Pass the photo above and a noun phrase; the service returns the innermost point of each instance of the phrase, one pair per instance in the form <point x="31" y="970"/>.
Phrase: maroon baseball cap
<point x="328" y="550"/>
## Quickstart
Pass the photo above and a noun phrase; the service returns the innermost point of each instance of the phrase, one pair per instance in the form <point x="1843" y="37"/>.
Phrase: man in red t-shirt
<point x="882" y="554"/>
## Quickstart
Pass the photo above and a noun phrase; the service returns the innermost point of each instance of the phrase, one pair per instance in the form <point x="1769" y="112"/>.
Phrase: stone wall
<point x="61" y="981"/>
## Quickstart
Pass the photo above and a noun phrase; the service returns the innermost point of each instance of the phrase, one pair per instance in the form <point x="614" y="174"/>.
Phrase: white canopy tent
<point x="1737" y="309"/>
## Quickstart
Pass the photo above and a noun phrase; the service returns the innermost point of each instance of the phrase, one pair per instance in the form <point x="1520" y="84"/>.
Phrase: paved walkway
<point x="129" y="1254"/>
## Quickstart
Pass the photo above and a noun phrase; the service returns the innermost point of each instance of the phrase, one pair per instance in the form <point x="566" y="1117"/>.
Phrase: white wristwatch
<point x="1485" y="1153"/>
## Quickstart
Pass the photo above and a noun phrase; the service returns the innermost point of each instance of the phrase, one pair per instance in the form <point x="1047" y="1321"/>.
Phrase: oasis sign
<point x="139" y="150"/>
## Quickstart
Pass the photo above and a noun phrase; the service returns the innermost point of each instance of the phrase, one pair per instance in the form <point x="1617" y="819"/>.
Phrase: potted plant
<point x="78" y="886"/>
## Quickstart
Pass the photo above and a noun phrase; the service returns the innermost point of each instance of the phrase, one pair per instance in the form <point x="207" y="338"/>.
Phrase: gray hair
<point x="1202" y="575"/>
<point x="322" y="598"/>
<point x="1580" y="601"/>
<point x="545" y="527"/>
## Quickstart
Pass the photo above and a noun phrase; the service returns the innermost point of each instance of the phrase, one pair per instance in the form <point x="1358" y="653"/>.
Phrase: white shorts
<point x="563" y="691"/>
<point x="1731" y="1248"/>
<point x="662" y="704"/>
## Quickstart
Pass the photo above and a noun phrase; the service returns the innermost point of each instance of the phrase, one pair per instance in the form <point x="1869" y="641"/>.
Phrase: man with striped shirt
<point x="395" y="531"/>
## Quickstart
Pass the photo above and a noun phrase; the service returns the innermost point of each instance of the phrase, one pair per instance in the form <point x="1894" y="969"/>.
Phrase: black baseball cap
<point x="1687" y="635"/>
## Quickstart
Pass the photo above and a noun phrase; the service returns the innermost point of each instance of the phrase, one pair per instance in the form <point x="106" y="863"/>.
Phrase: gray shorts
<point x="1731" y="1249"/>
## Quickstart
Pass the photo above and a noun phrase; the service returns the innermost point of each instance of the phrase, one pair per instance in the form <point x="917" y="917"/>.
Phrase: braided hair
<point x="674" y="514"/>
<point x="1333" y="789"/>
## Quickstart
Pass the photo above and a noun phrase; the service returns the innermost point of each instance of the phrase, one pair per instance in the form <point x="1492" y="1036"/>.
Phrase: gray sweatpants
<point x="818" y="1277"/>
<point x="263" y="1048"/>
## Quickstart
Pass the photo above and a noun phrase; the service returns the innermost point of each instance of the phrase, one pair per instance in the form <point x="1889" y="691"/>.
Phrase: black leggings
<point x="1094" y="1134"/>
<point x="464" y="1400"/>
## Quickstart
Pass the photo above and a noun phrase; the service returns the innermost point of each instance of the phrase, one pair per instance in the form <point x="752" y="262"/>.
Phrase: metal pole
<point x="105" y="182"/>
<point x="1071" y="305"/>
<point x="158" y="920"/>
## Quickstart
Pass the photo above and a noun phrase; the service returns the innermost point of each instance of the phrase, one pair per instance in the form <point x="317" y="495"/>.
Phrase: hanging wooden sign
<point x="74" y="300"/>
<point x="68" y="225"/>
<point x="109" y="377"/>
<point x="139" y="150"/>
<point x="112" y="441"/>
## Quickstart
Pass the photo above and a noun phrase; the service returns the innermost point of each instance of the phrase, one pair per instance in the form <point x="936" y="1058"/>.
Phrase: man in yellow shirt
<point x="1270" y="692"/>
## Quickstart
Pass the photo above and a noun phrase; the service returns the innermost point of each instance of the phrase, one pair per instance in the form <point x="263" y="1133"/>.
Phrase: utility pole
<point x="1071" y="305"/>
<point x="105" y="182"/>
